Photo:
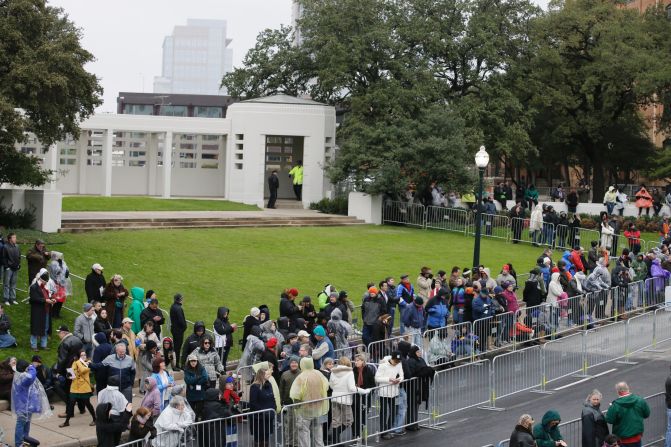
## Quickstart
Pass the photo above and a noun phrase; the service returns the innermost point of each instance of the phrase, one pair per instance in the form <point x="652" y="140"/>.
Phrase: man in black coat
<point x="40" y="306"/>
<point x="95" y="283"/>
<point x="273" y="185"/>
<point x="177" y="327"/>
<point x="153" y="313"/>
<point x="522" y="436"/>
<point x="193" y="341"/>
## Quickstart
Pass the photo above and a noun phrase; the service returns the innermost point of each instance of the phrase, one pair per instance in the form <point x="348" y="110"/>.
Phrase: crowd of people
<point x="303" y="353"/>
<point x="626" y="415"/>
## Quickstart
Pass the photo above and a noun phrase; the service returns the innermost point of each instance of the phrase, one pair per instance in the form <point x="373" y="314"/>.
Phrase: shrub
<point x="9" y="218"/>
<point x="331" y="206"/>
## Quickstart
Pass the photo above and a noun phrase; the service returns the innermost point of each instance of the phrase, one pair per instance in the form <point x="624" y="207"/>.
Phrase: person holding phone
<point x="388" y="377"/>
<point x="547" y="432"/>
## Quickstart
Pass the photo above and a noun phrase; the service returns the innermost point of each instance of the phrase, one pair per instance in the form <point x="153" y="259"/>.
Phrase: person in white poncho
<point x="174" y="420"/>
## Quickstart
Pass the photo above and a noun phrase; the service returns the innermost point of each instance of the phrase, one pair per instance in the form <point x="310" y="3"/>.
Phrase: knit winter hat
<point x="254" y="312"/>
<point x="319" y="331"/>
<point x="270" y="344"/>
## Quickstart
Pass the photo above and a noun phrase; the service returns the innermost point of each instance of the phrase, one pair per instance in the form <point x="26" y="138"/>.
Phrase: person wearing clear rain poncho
<point x="174" y="420"/>
<point x="29" y="400"/>
<point x="310" y="385"/>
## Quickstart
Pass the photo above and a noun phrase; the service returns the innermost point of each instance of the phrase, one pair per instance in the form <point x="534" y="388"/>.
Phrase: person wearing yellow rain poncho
<point x="310" y="385"/>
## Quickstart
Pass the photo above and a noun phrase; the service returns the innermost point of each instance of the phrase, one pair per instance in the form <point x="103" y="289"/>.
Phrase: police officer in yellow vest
<point x="297" y="174"/>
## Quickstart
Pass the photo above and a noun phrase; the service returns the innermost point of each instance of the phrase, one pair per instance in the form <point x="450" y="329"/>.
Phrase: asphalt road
<point x="478" y="427"/>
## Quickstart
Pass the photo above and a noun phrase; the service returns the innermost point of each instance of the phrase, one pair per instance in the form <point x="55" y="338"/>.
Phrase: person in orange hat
<point x="371" y="309"/>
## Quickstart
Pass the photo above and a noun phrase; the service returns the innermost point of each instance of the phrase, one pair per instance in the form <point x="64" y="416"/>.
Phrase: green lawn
<point x="241" y="268"/>
<point x="143" y="203"/>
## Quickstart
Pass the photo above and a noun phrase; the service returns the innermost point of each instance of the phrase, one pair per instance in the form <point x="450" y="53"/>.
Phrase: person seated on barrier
<point x="522" y="435"/>
<point x="463" y="344"/>
<point x="547" y="432"/>
<point x="521" y="331"/>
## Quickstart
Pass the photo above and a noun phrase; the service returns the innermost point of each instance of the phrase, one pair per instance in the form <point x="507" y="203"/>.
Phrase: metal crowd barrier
<point x="448" y="219"/>
<point x="462" y="387"/>
<point x="493" y="225"/>
<point x="381" y="348"/>
<point x="404" y="213"/>
<point x="515" y="372"/>
<point x="449" y="344"/>
<point x="654" y="426"/>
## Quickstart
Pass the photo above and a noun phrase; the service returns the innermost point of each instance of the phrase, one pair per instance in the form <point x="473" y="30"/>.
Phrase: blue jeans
<point x="22" y="427"/>
<point x="610" y="206"/>
<point x="6" y="340"/>
<point x="367" y="334"/>
<point x="41" y="338"/>
<point x="9" y="282"/>
<point x="667" y="442"/>
<point x="402" y="400"/>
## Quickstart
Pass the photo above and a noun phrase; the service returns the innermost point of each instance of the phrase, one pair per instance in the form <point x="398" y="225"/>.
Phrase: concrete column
<point x="167" y="164"/>
<point x="82" y="157"/>
<point x="152" y="156"/>
<point x="107" y="162"/>
<point x="52" y="163"/>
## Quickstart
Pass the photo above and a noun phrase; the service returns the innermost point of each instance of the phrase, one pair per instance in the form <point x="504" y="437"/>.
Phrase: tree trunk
<point x="598" y="182"/>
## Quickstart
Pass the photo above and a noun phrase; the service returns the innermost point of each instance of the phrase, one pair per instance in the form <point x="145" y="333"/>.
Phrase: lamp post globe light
<point x="481" y="161"/>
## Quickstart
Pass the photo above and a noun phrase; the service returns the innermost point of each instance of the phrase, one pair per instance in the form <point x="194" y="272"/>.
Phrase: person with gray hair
<point x="594" y="427"/>
<point x="522" y="435"/>
<point x="627" y="414"/>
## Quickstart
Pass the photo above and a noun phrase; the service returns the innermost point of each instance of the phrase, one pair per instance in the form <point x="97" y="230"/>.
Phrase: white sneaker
<point x="8" y="303"/>
<point x="15" y="302"/>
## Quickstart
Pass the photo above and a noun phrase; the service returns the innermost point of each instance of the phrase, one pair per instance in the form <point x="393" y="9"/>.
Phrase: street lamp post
<point x="481" y="161"/>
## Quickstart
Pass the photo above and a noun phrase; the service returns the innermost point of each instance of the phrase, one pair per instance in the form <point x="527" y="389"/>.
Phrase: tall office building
<point x="195" y="58"/>
<point x="296" y="13"/>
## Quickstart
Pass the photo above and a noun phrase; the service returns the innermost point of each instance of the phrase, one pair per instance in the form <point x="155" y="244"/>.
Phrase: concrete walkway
<point x="48" y="432"/>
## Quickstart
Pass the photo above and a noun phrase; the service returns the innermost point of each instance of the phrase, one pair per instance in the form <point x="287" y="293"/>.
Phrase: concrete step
<point x="329" y="224"/>
<point x="74" y="225"/>
<point x="204" y="219"/>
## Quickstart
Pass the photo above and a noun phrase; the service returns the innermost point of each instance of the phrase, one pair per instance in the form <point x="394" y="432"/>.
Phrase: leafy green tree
<point x="398" y="69"/>
<point x="44" y="88"/>
<point x="594" y="66"/>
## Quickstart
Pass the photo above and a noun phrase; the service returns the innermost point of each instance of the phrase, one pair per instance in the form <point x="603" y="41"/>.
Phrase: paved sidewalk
<point x="48" y="432"/>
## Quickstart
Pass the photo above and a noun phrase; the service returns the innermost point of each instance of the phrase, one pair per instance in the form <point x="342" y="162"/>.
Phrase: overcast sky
<point x="126" y="36"/>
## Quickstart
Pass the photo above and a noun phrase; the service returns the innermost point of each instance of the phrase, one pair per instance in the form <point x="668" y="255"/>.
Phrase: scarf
<point x="359" y="378"/>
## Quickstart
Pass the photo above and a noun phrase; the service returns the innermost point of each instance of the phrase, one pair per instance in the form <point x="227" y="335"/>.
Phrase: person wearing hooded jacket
<point x="339" y="330"/>
<point x="152" y="397"/>
<point x="214" y="408"/>
<point x="136" y="308"/>
<point x="310" y="386"/>
<point x="436" y="310"/>
<point x="28" y="398"/>
<point x="108" y="428"/>
<point x="193" y="341"/>
<point x="250" y="321"/>
<point x="177" y="327"/>
<point x="252" y="352"/>
<point x="343" y="386"/>
<point x="547" y="432"/>
<point x="554" y="291"/>
<point x="594" y="426"/>
<point x="176" y="418"/>
<point x="209" y="358"/>
<point x="223" y="334"/>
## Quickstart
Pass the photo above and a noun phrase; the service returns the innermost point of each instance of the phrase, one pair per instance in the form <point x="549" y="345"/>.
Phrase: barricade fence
<point x="516" y="230"/>
<point x="654" y="426"/>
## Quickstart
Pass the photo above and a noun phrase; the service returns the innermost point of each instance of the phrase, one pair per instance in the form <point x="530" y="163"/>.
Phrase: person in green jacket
<point x="627" y="414"/>
<point x="547" y="433"/>
<point x="136" y="308"/>
<point x="531" y="196"/>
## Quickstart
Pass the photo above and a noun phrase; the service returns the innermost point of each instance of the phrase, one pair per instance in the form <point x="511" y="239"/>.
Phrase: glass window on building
<point x="170" y="110"/>
<point x="139" y="109"/>
<point x="208" y="112"/>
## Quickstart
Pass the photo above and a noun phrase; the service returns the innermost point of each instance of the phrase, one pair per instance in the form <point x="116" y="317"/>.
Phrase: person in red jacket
<point x="576" y="258"/>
